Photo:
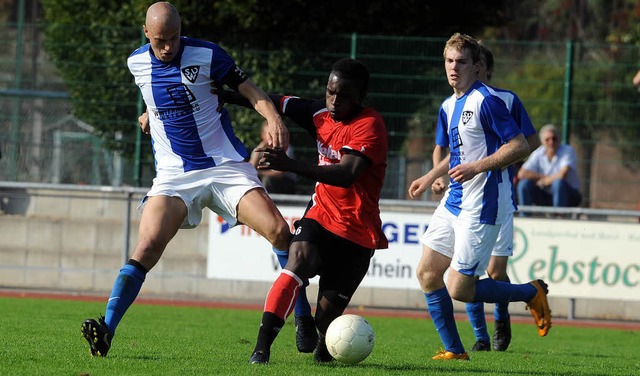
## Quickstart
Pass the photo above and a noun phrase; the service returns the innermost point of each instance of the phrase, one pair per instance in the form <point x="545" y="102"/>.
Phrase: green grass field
<point x="42" y="337"/>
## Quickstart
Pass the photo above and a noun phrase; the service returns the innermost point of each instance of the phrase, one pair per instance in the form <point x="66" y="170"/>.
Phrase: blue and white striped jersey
<point x="187" y="131"/>
<point x="473" y="127"/>
<point x="520" y="115"/>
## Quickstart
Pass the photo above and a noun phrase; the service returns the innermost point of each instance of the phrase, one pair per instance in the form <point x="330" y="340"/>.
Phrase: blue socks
<point x="501" y="312"/>
<point x="475" y="312"/>
<point x="440" y="308"/>
<point x="124" y="292"/>
<point x="488" y="291"/>
<point x="302" y="307"/>
<point x="491" y="291"/>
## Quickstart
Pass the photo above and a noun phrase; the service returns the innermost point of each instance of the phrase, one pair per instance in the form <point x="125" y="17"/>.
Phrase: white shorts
<point x="218" y="188"/>
<point x="504" y="243"/>
<point x="468" y="244"/>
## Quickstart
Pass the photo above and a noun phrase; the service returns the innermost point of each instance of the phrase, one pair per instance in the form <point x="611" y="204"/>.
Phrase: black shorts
<point x="344" y="263"/>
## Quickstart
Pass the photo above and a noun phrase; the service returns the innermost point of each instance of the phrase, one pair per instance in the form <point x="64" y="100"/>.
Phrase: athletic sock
<point x="280" y="301"/>
<point x="501" y="312"/>
<point x="282" y="297"/>
<point x="124" y="292"/>
<point x="269" y="328"/>
<point x="475" y="312"/>
<point x="302" y="307"/>
<point x="491" y="291"/>
<point x="283" y="256"/>
<point x="440" y="308"/>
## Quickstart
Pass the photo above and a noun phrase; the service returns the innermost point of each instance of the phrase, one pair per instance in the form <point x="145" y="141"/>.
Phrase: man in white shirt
<point x="550" y="177"/>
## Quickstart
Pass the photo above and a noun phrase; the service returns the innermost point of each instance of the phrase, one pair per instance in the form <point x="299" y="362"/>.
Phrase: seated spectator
<point x="549" y="177"/>
<point x="272" y="180"/>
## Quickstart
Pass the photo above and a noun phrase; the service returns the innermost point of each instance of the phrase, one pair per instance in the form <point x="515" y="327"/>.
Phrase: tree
<point x="89" y="41"/>
<point x="90" y="54"/>
<point x="603" y="63"/>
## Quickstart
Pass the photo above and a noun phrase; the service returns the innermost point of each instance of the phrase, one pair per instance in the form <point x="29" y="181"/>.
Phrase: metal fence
<point x="584" y="89"/>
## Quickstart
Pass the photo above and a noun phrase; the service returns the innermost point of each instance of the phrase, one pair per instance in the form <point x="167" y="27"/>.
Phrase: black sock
<point x="269" y="329"/>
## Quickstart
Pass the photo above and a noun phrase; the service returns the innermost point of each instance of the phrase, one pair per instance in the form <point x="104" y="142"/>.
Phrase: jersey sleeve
<point x="224" y="68"/>
<point x="442" y="136"/>
<point x="494" y="114"/>
<point x="369" y="138"/>
<point x="520" y="115"/>
<point x="300" y="110"/>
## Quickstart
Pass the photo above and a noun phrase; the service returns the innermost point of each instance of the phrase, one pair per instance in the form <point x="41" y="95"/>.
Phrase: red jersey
<point x="352" y="212"/>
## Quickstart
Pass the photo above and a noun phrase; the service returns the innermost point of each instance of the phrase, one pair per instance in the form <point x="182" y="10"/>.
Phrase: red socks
<point x="283" y="294"/>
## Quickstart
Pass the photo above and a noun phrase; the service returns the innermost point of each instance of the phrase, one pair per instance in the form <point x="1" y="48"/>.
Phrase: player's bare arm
<point x="342" y="174"/>
<point x="277" y="132"/>
<point x="512" y="151"/>
<point x="421" y="184"/>
<point x="533" y="141"/>
<point x="439" y="153"/>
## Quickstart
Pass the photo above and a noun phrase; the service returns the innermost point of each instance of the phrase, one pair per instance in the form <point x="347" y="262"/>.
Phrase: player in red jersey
<point x="341" y="228"/>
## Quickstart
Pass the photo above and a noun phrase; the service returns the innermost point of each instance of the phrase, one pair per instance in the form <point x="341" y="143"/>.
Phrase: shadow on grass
<point x="445" y="367"/>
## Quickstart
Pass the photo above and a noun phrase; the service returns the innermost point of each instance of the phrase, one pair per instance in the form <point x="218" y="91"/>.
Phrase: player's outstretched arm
<point x="277" y="132"/>
<point x="342" y="174"/>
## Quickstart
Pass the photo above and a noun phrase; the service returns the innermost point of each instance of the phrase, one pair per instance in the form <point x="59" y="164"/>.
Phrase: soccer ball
<point x="350" y="339"/>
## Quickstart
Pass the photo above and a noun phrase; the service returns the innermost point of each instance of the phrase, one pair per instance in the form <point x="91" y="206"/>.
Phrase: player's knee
<point x="148" y="252"/>
<point x="460" y="292"/>
<point x="426" y="278"/>
<point x="461" y="295"/>
<point x="280" y="236"/>
<point x="498" y="275"/>
<point x="336" y="299"/>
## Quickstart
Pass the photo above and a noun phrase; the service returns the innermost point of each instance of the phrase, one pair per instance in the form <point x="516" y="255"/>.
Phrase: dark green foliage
<point x="89" y="43"/>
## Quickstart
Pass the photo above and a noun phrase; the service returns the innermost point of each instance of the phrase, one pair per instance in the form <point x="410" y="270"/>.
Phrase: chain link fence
<point x="584" y="89"/>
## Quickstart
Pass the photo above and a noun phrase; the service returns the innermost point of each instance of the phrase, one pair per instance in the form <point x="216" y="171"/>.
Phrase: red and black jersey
<point x="352" y="212"/>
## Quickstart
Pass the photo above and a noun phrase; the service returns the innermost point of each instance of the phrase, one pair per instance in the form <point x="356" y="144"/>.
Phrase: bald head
<point x="162" y="14"/>
<point x="162" y="28"/>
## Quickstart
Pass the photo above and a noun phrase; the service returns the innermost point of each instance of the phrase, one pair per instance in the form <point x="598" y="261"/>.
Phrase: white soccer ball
<point x="350" y="339"/>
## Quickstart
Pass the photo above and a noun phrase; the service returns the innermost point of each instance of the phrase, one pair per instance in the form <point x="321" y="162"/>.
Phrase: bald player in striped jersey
<point x="199" y="161"/>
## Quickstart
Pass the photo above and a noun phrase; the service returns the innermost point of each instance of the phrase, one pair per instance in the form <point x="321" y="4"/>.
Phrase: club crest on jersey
<point x="466" y="116"/>
<point x="191" y="73"/>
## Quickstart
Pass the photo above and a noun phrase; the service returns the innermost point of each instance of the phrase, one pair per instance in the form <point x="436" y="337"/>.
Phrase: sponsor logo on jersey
<point x="456" y="140"/>
<point x="328" y="152"/>
<point x="181" y="95"/>
<point x="191" y="73"/>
